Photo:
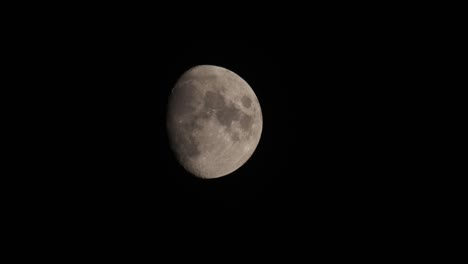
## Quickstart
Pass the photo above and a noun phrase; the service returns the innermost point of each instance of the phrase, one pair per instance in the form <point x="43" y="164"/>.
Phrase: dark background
<point x="336" y="136"/>
<point x="108" y="111"/>
<point x="325" y="146"/>
<point x="328" y="148"/>
<point x="258" y="183"/>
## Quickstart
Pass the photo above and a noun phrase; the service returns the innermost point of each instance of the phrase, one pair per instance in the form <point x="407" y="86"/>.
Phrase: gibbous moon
<point x="214" y="121"/>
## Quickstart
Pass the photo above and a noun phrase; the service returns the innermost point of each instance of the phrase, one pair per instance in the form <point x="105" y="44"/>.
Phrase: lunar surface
<point x="214" y="121"/>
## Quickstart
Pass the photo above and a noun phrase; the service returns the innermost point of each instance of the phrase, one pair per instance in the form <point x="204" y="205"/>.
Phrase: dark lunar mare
<point x="226" y="113"/>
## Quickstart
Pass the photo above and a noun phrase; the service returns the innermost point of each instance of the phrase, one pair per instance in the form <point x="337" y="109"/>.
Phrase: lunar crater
<point x="246" y="101"/>
<point x="235" y="136"/>
<point x="246" y="122"/>
<point x="187" y="144"/>
<point x="185" y="138"/>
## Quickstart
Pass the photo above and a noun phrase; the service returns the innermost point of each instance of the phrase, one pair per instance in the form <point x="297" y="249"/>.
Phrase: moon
<point x="214" y="121"/>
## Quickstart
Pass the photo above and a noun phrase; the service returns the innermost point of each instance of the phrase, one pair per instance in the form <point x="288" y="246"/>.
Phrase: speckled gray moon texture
<point x="214" y="121"/>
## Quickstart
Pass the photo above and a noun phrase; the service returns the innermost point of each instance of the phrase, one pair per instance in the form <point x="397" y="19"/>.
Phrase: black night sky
<point x="257" y="183"/>
<point x="338" y="119"/>
<point x="322" y="127"/>
<point x="323" y="149"/>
